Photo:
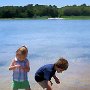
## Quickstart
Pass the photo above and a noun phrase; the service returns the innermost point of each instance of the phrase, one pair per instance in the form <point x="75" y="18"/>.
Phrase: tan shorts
<point x="43" y="84"/>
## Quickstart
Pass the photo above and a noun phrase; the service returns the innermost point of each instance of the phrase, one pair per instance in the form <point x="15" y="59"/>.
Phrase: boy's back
<point x="45" y="72"/>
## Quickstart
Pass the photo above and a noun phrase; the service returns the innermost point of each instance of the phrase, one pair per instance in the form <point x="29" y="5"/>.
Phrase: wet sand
<point x="75" y="78"/>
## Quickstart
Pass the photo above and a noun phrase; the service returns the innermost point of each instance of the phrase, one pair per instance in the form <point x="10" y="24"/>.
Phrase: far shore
<point x="76" y="17"/>
<point x="50" y="18"/>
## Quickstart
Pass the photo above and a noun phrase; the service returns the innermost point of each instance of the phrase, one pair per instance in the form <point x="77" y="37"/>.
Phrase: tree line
<point x="34" y="11"/>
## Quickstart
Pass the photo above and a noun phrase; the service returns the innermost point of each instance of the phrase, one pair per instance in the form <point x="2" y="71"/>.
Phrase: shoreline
<point x="56" y="18"/>
<point x="75" y="78"/>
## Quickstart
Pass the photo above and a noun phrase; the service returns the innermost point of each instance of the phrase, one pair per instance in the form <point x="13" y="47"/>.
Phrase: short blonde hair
<point x="62" y="63"/>
<point x="22" y="50"/>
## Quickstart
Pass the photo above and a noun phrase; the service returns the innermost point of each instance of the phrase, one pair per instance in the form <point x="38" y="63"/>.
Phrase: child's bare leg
<point x="28" y="89"/>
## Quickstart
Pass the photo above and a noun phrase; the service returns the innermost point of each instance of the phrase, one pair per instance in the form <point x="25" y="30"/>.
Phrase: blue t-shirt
<point x="46" y="72"/>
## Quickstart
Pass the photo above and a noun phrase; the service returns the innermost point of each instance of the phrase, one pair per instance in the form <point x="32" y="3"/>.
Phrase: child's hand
<point x="17" y="66"/>
<point x="57" y="80"/>
<point x="26" y="69"/>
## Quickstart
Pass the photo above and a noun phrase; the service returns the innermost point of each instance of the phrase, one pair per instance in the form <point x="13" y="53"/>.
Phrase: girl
<point x="20" y="67"/>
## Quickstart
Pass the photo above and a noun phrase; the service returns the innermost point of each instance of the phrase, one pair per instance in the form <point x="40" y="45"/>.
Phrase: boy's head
<point x="61" y="65"/>
<point x="21" y="53"/>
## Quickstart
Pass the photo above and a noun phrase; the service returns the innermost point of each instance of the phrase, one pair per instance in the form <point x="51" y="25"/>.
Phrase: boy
<point x="20" y="67"/>
<point x="45" y="73"/>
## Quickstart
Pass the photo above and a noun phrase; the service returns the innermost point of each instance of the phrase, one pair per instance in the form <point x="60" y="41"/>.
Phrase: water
<point x="47" y="40"/>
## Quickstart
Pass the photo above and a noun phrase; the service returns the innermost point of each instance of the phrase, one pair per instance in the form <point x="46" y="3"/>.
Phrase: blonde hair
<point x="22" y="50"/>
<point x="62" y="63"/>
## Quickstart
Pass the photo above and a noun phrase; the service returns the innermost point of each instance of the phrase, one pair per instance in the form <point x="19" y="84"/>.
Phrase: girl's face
<point x="21" y="53"/>
<point x="21" y="57"/>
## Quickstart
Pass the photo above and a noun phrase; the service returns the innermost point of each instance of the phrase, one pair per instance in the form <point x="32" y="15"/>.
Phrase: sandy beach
<point x="75" y="78"/>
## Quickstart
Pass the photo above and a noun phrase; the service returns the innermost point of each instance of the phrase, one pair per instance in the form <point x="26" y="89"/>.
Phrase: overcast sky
<point x="58" y="3"/>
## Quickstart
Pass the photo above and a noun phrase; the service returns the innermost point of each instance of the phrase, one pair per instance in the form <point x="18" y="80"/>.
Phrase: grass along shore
<point x="45" y="18"/>
<point x="76" y="17"/>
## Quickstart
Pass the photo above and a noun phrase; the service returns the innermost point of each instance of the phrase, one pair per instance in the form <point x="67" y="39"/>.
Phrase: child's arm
<point x="27" y="68"/>
<point x="49" y="87"/>
<point x="13" y="66"/>
<point x="56" y="79"/>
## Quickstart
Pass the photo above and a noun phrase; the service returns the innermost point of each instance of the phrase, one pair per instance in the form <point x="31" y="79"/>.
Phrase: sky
<point x="58" y="3"/>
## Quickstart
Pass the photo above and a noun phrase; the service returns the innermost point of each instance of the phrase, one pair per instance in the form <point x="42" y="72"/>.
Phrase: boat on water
<point x="55" y="18"/>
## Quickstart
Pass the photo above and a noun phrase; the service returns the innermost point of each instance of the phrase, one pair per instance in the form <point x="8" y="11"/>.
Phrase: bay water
<point x="47" y="40"/>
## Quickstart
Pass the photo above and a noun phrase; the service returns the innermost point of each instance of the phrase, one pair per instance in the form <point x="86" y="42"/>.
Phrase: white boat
<point x="54" y="18"/>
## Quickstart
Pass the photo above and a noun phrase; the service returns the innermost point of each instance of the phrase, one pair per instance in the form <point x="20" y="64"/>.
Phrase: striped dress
<point x="19" y="74"/>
